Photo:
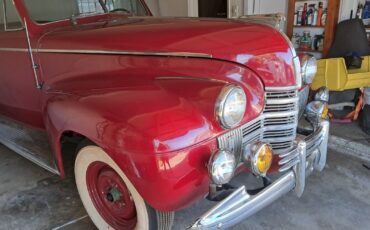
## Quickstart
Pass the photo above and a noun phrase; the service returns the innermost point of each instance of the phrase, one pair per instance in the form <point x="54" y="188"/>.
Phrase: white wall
<point x="346" y="6"/>
<point x="153" y="6"/>
<point x="172" y="7"/>
<point x="268" y="6"/>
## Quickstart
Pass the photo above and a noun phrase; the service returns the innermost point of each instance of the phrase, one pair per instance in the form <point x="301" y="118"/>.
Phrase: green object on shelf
<point x="306" y="41"/>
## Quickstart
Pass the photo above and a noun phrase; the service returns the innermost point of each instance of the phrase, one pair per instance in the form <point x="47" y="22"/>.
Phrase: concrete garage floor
<point x="339" y="198"/>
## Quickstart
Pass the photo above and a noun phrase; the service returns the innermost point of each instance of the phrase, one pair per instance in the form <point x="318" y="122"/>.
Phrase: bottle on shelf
<point x="359" y="11"/>
<point x="323" y="17"/>
<point x="304" y="15"/>
<point x="309" y="15"/>
<point x="318" y="42"/>
<point x="319" y="14"/>
<point x="366" y="10"/>
<point x="314" y="21"/>
<point x="296" y="40"/>
<point x="299" y="16"/>
<point x="295" y="21"/>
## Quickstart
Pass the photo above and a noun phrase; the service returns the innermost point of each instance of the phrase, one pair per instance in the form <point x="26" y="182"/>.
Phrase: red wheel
<point x="110" y="196"/>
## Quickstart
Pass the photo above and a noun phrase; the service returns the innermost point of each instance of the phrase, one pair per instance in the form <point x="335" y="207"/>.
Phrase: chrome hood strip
<point x="111" y="52"/>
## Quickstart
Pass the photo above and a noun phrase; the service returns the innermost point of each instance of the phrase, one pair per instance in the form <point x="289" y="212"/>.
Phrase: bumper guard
<point x="240" y="205"/>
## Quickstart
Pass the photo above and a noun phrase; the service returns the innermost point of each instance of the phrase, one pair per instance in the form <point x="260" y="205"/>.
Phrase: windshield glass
<point x="44" y="11"/>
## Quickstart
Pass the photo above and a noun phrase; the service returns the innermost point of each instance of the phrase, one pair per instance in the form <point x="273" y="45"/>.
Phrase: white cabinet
<point x="266" y="6"/>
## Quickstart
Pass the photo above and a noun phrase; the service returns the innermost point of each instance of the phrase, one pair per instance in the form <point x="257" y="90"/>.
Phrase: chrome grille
<point x="277" y="126"/>
<point x="231" y="141"/>
<point x="280" y="118"/>
<point x="281" y="94"/>
<point x="280" y="107"/>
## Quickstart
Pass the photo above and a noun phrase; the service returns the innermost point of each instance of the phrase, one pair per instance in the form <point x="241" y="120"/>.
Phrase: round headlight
<point x="231" y="105"/>
<point x="221" y="167"/>
<point x="322" y="95"/>
<point x="309" y="69"/>
<point x="315" y="111"/>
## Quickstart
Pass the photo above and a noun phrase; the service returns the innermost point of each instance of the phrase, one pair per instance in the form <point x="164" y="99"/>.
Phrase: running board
<point x="30" y="143"/>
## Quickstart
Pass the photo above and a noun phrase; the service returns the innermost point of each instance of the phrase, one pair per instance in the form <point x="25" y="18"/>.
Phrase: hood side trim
<point x="111" y="52"/>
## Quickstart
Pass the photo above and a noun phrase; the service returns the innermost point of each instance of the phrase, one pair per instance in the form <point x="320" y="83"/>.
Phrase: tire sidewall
<point x="146" y="218"/>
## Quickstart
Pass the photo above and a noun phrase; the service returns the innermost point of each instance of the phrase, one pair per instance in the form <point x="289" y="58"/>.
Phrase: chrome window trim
<point x="6" y="19"/>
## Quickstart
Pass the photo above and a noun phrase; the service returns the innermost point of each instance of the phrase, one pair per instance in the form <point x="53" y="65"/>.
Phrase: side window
<point x="134" y="6"/>
<point x="9" y="19"/>
<point x="89" y="6"/>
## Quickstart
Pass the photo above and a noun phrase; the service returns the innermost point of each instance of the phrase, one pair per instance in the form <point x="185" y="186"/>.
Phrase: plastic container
<point x="334" y="74"/>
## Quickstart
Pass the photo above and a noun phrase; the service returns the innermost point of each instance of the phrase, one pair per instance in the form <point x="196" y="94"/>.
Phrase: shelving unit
<point x="329" y="28"/>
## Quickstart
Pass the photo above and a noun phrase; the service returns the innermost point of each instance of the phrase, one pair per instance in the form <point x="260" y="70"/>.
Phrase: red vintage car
<point x="166" y="110"/>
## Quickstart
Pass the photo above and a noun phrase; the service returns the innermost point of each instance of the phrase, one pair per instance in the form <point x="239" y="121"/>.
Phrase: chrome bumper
<point x="240" y="205"/>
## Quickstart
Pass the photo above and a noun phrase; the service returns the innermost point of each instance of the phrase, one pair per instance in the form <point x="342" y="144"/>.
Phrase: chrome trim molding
<point x="299" y="171"/>
<point x="240" y="205"/>
<point x="30" y="143"/>
<point x="282" y="88"/>
<point x="111" y="52"/>
<point x="119" y="52"/>
<point x="191" y="78"/>
<point x="29" y="156"/>
<point x="23" y="50"/>
<point x="35" y="67"/>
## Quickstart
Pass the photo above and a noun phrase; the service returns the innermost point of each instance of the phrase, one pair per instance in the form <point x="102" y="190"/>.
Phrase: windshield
<point x="44" y="11"/>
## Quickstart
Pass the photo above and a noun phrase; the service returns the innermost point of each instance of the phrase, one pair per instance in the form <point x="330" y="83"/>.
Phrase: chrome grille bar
<point x="232" y="141"/>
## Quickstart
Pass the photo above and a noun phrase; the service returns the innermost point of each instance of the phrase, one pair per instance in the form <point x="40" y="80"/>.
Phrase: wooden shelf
<point x="313" y="27"/>
<point x="311" y="0"/>
<point x="329" y="28"/>
<point x="308" y="51"/>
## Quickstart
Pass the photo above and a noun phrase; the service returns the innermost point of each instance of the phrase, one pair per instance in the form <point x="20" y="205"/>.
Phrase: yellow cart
<point x="333" y="74"/>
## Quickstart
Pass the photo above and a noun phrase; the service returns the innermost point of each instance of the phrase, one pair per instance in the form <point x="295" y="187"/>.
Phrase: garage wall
<point x="346" y="6"/>
<point x="247" y="7"/>
<point x="236" y="7"/>
<point x="269" y="7"/>
<point x="153" y="6"/>
<point x="173" y="7"/>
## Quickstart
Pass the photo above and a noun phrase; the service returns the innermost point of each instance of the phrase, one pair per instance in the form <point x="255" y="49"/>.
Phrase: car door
<point x="20" y="99"/>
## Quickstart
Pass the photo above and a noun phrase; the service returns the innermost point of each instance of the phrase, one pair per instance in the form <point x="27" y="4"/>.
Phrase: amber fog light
<point x="259" y="158"/>
<point x="221" y="167"/>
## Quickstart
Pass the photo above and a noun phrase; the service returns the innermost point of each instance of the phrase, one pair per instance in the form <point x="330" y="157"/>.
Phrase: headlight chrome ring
<point x="221" y="167"/>
<point x="308" y="69"/>
<point x="231" y="106"/>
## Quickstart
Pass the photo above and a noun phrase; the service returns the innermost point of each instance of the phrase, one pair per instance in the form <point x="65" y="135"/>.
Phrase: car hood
<point x="258" y="47"/>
